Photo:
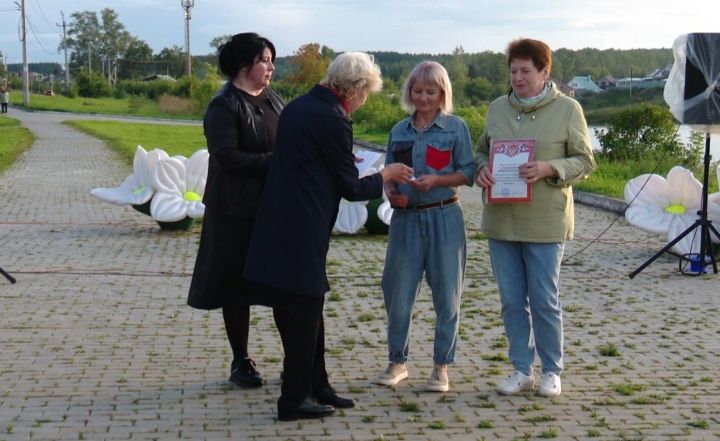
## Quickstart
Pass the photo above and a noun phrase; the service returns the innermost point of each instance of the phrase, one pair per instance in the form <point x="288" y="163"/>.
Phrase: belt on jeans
<point x="440" y="204"/>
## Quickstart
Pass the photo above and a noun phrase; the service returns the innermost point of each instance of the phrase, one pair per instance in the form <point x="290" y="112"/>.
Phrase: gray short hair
<point x="351" y="72"/>
<point x="429" y="72"/>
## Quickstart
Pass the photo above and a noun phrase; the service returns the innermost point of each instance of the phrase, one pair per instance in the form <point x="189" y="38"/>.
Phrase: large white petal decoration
<point x="385" y="211"/>
<point x="168" y="207"/>
<point x="137" y="188"/>
<point x="130" y="192"/>
<point x="197" y="170"/>
<point x="169" y="176"/>
<point x="351" y="217"/>
<point x="196" y="209"/>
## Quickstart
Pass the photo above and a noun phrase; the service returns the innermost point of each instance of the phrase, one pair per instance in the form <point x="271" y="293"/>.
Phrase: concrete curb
<point x="598" y="201"/>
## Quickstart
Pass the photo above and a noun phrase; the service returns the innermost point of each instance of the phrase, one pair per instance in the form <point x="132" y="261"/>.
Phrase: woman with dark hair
<point x="239" y="125"/>
<point x="526" y="240"/>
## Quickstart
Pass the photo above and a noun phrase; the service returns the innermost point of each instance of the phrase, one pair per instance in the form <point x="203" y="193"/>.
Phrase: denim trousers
<point x="527" y="275"/>
<point x="430" y="241"/>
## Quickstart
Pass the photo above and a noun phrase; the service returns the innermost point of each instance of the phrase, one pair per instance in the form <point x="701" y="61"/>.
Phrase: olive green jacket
<point x="561" y="137"/>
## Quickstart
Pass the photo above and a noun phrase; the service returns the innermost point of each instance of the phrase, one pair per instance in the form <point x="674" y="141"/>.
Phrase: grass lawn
<point x="610" y="177"/>
<point x="376" y="137"/>
<point x="137" y="106"/>
<point x="13" y="141"/>
<point x="124" y="137"/>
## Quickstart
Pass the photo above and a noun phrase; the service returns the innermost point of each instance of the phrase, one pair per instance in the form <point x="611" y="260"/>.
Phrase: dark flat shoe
<point x="308" y="409"/>
<point x="243" y="374"/>
<point x="329" y="396"/>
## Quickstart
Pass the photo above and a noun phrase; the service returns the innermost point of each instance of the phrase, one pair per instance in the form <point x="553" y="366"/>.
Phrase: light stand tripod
<point x="7" y="276"/>
<point x="705" y="225"/>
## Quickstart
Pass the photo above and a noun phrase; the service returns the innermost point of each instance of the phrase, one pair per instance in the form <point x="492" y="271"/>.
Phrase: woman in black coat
<point x="313" y="167"/>
<point x="240" y="125"/>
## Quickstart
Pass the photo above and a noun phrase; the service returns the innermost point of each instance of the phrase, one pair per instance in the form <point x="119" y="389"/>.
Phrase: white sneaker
<point x="395" y="373"/>
<point x="517" y="382"/>
<point x="550" y="385"/>
<point x="438" y="381"/>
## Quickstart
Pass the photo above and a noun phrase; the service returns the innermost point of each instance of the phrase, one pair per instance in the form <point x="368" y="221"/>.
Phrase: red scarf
<point x="343" y="101"/>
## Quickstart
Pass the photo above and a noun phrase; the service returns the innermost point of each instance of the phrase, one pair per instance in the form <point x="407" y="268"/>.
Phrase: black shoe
<point x="243" y="374"/>
<point x="329" y="396"/>
<point x="308" y="409"/>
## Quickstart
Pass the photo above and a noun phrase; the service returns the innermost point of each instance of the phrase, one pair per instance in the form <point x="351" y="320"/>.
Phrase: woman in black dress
<point x="239" y="125"/>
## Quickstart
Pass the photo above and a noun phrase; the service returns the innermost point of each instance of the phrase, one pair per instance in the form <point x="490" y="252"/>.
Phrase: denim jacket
<point x="443" y="148"/>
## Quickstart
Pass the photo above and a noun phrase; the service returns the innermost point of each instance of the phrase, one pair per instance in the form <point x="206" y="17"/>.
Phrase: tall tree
<point x="171" y="61"/>
<point x="99" y="41"/>
<point x="309" y="65"/>
<point x="83" y="37"/>
<point x="458" y="71"/>
<point x="138" y="60"/>
<point x="219" y="41"/>
<point x="115" y="40"/>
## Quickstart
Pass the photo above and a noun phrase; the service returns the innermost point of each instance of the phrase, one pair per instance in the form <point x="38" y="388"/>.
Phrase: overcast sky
<point x="416" y="26"/>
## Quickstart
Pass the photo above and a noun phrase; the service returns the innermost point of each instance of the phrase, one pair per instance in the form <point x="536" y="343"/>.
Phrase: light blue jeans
<point x="430" y="241"/>
<point x="527" y="275"/>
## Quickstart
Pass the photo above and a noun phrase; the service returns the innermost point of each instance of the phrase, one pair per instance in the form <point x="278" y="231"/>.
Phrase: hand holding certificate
<point x="506" y="157"/>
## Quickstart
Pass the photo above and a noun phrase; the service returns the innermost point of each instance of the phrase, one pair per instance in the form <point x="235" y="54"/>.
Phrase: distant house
<point x="606" y="82"/>
<point x="656" y="78"/>
<point x="564" y="88"/>
<point x="159" y="77"/>
<point x="584" y="84"/>
<point x="661" y="73"/>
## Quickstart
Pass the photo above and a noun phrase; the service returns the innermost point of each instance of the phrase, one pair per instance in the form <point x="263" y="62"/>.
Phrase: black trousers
<point x="4" y="107"/>
<point x="302" y="330"/>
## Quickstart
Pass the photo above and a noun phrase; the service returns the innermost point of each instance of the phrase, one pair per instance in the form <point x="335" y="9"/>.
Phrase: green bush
<point x="92" y="85"/>
<point x="380" y="112"/>
<point x="474" y="117"/>
<point x="152" y="89"/>
<point x="646" y="131"/>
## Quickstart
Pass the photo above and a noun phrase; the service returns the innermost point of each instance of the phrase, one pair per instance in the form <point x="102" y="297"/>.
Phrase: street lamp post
<point x="187" y="4"/>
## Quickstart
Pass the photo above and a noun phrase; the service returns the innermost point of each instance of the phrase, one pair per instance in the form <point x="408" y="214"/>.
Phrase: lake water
<point x="684" y="133"/>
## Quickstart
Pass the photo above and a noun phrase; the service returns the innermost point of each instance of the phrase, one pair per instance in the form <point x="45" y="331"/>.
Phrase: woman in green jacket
<point x="526" y="239"/>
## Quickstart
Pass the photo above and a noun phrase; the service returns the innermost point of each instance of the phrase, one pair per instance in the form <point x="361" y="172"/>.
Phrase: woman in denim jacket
<point x="427" y="231"/>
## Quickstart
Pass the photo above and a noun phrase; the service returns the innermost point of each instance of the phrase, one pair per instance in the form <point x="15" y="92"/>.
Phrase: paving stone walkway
<point x="98" y="344"/>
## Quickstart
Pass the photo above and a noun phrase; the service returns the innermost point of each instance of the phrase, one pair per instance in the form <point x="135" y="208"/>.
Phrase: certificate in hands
<point x="506" y="157"/>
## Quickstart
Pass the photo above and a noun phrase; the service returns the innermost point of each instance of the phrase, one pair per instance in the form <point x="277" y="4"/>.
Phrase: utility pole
<point x="187" y="4"/>
<point x="67" y="67"/>
<point x="25" y="73"/>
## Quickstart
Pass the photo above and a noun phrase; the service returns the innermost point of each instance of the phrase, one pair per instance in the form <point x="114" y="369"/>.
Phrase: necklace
<point x="423" y="126"/>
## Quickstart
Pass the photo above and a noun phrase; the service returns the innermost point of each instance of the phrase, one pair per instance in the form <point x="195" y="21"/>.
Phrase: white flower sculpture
<point x="137" y="188"/>
<point x="180" y="186"/>
<point x="351" y="216"/>
<point x="669" y="206"/>
<point x="385" y="210"/>
<point x="174" y="187"/>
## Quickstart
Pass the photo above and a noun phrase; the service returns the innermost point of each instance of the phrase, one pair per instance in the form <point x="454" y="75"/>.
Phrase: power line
<point x="40" y="12"/>
<point x="35" y="34"/>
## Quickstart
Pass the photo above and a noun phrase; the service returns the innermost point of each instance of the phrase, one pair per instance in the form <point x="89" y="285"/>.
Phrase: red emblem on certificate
<point x="506" y="157"/>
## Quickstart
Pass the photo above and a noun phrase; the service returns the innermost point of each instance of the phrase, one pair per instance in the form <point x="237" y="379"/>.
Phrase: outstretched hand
<point x="397" y="172"/>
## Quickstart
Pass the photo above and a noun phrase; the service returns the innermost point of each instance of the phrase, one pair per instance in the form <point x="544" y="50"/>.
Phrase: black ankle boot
<point x="308" y="409"/>
<point x="243" y="373"/>
<point x="329" y="396"/>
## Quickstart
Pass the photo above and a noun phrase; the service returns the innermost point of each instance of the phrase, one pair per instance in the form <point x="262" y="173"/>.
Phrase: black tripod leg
<point x="666" y="248"/>
<point x="7" y="276"/>
<point x="711" y="251"/>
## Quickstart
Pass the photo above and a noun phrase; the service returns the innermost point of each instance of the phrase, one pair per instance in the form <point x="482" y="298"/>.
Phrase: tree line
<point x="99" y="42"/>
